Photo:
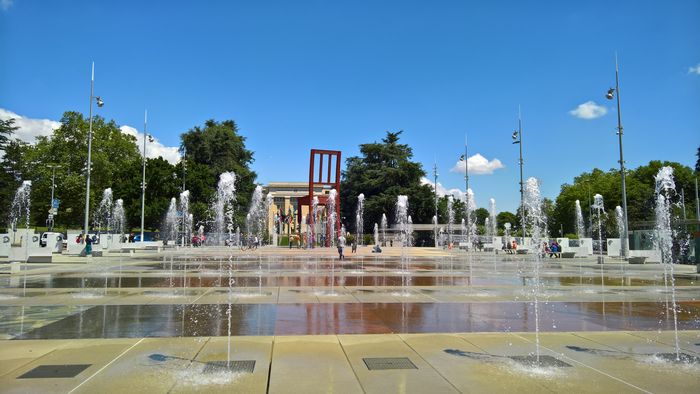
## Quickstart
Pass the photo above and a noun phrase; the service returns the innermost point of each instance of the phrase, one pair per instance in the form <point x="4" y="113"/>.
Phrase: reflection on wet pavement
<point x="118" y="321"/>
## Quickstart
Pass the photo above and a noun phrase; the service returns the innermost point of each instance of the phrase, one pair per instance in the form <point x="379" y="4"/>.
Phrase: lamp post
<point x="435" y="175"/>
<point x="50" y="220"/>
<point x="100" y="103"/>
<point x="518" y="139"/>
<point x="148" y="137"/>
<point x="615" y="93"/>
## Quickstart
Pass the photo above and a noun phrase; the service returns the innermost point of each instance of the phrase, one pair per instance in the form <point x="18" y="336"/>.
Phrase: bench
<point x="521" y="251"/>
<point x="568" y="255"/>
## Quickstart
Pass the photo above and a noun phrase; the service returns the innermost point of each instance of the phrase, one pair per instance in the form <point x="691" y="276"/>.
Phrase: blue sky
<point x="319" y="74"/>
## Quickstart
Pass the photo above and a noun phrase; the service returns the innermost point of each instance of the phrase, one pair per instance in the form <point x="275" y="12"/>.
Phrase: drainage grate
<point x="381" y="363"/>
<point x="240" y="366"/>
<point x="55" y="371"/>
<point x="683" y="358"/>
<point x="545" y="361"/>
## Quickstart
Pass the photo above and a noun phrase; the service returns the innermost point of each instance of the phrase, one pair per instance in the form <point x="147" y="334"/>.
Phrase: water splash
<point x="171" y="221"/>
<point x="471" y="218"/>
<point x="184" y="208"/>
<point x="536" y="222"/>
<point x="376" y="234"/>
<point x="102" y="219"/>
<point x="384" y="224"/>
<point x="665" y="192"/>
<point x="492" y="231"/>
<point x="580" y="228"/>
<point x="21" y="205"/>
<point x="223" y="206"/>
<point x="332" y="218"/>
<point x="360" y="219"/>
<point x="119" y="217"/>
<point x="450" y="218"/>
<point x="402" y="219"/>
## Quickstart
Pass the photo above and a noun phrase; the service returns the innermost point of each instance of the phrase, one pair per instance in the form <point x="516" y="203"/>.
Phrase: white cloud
<point x="478" y="165"/>
<point x="589" y="110"/>
<point x="29" y="128"/>
<point x="694" y="70"/>
<point x="442" y="191"/>
<point x="5" y="4"/>
<point x="153" y="149"/>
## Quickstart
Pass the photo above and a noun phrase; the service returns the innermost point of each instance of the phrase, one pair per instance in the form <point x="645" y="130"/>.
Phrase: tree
<point x="115" y="164"/>
<point x="481" y="215"/>
<point x="382" y="172"/>
<point x="507" y="217"/>
<point x="211" y="150"/>
<point x="697" y="163"/>
<point x="7" y="128"/>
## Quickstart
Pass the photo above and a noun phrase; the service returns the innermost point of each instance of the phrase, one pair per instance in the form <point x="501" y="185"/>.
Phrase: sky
<point x="333" y="75"/>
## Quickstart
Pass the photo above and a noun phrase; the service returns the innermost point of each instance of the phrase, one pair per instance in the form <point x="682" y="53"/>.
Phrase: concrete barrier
<point x="4" y="245"/>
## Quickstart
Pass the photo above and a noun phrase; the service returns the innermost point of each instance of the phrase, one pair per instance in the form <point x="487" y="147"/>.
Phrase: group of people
<point x="552" y="249"/>
<point x="198" y="240"/>
<point x="510" y="247"/>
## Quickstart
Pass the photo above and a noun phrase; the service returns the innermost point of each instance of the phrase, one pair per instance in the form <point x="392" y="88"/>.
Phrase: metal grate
<point x="240" y="366"/>
<point x="682" y="358"/>
<point x="545" y="361"/>
<point x="55" y="371"/>
<point x="383" y="363"/>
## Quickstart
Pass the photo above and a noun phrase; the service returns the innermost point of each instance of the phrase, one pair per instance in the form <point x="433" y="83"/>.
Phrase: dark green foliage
<point x="211" y="150"/>
<point x="383" y="172"/>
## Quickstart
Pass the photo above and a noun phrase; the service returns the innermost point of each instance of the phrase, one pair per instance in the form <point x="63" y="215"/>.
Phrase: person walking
<point x="341" y="245"/>
<point x="88" y="245"/>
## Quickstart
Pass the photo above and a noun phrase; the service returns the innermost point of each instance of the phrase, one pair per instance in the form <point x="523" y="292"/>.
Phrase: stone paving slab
<point x="324" y="369"/>
<point x="635" y="366"/>
<point x="421" y="380"/>
<point x="468" y="362"/>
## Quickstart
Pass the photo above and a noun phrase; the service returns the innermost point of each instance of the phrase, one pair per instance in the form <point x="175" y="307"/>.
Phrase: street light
<point x="100" y="103"/>
<point x="518" y="139"/>
<point x="148" y="137"/>
<point x="615" y="93"/>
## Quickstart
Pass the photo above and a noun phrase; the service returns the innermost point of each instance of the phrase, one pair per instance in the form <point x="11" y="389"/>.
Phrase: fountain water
<point x="332" y="218"/>
<point x="171" y="222"/>
<point x="20" y="210"/>
<point x="312" y="221"/>
<point x="435" y="231"/>
<point x="118" y="217"/>
<point x="492" y="230"/>
<point x="20" y="205"/>
<point x="665" y="191"/>
<point x="254" y="219"/>
<point x="102" y="218"/>
<point x="223" y="207"/>
<point x="535" y="220"/>
<point x="580" y="228"/>
<point x="184" y="208"/>
<point x="376" y="234"/>
<point x="471" y="218"/>
<point x="383" y="224"/>
<point x="359" y="219"/>
<point x="450" y="218"/>
<point x="409" y="232"/>
<point x="598" y="219"/>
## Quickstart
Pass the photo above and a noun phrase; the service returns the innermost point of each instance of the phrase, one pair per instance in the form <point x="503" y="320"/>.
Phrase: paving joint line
<point x="106" y="365"/>
<point x="588" y="366"/>
<point x="428" y="363"/>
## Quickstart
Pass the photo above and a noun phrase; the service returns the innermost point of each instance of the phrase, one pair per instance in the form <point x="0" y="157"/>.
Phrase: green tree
<point x="211" y="150"/>
<point x="382" y="172"/>
<point x="11" y="163"/>
<point x="506" y="217"/>
<point x="481" y="215"/>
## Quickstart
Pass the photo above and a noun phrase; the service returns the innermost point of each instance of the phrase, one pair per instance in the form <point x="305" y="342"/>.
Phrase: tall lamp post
<point x="518" y="139"/>
<point x="148" y="137"/>
<point x="50" y="220"/>
<point x="100" y="103"/>
<point x="615" y="93"/>
<point x="435" y="175"/>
